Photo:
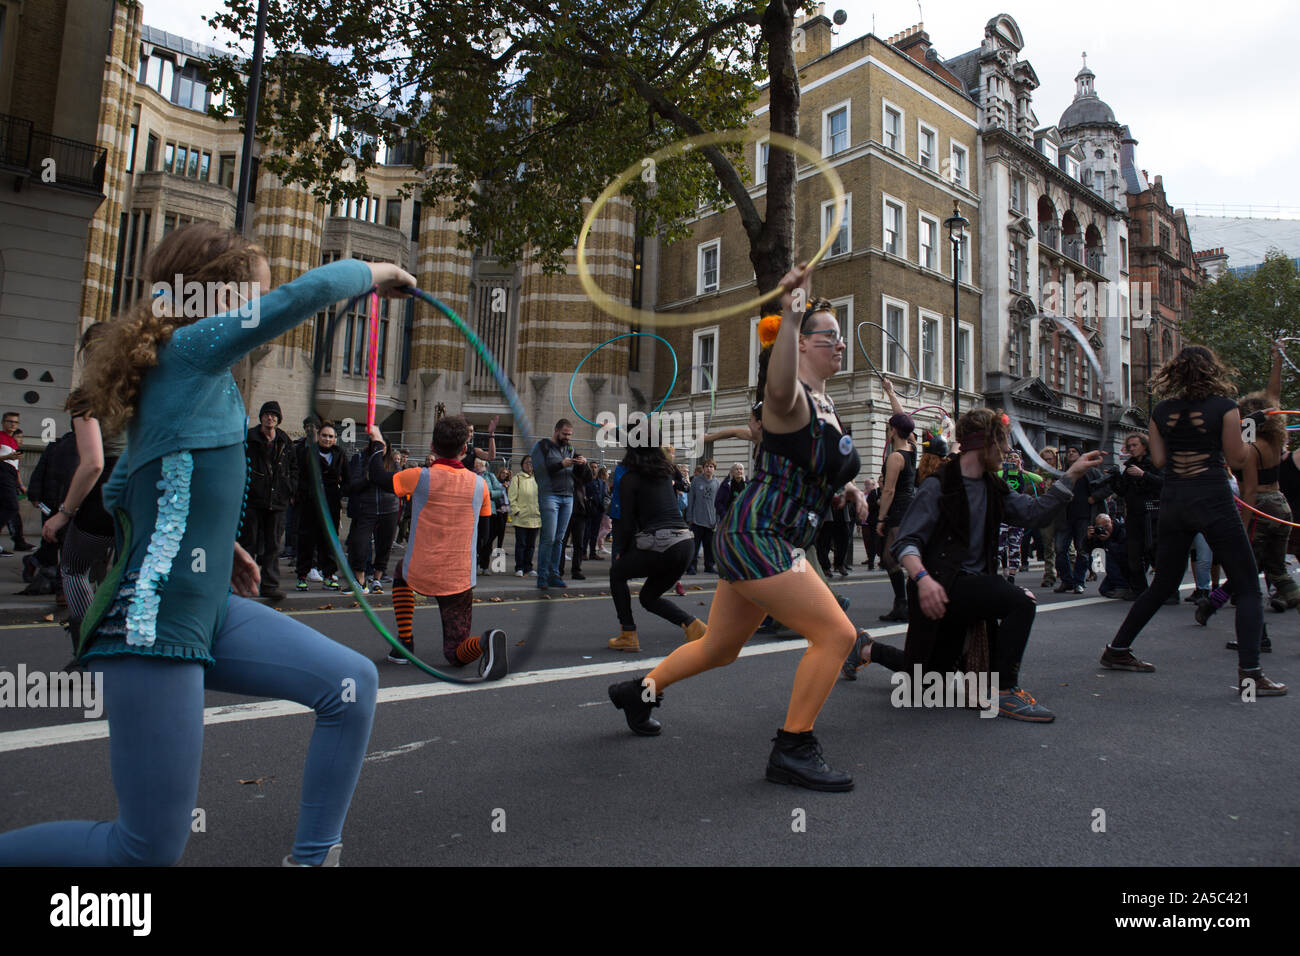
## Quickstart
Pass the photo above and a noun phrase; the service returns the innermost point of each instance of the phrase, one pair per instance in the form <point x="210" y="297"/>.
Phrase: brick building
<point x="902" y="134"/>
<point x="1165" y="271"/>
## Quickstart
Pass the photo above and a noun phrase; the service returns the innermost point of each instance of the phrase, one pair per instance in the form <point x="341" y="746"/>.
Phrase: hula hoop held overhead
<point x="523" y="427"/>
<point x="901" y="347"/>
<point x="644" y="317"/>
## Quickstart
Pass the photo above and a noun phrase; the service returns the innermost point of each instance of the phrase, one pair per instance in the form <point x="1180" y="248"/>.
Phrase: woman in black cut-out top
<point x="1195" y="433"/>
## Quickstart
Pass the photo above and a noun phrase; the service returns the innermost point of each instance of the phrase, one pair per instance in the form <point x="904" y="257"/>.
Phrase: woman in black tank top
<point x="1194" y="432"/>
<point x="897" y="491"/>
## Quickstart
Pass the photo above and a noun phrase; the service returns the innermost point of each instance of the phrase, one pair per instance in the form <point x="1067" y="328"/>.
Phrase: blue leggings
<point x="155" y="715"/>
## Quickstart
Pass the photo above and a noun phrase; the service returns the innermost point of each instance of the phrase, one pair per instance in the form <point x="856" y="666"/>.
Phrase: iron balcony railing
<point x="55" y="160"/>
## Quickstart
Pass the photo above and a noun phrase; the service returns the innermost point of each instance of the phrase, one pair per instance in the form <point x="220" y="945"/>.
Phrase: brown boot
<point x="694" y="630"/>
<point x="1263" y="687"/>
<point x="626" y="641"/>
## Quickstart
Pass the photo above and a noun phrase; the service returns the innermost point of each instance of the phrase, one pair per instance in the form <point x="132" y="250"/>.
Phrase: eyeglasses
<point x="833" y="337"/>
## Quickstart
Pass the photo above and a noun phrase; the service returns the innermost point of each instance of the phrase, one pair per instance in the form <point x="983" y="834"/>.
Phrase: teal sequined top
<point x="178" y="492"/>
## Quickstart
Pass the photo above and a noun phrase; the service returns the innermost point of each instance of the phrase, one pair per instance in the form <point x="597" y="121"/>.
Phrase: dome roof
<point x="1087" y="111"/>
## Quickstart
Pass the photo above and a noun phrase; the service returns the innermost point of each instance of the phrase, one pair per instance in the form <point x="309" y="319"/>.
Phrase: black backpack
<point x="52" y="476"/>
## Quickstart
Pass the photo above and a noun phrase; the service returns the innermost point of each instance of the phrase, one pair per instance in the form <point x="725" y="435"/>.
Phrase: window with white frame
<point x="1049" y="150"/>
<point x="959" y="164"/>
<point x="927" y="146"/>
<point x="895" y="324"/>
<point x="964" y="334"/>
<point x="893" y="126"/>
<point x="931" y="347"/>
<point x="844" y="240"/>
<point x="895" y="240"/>
<point x="705" y="361"/>
<point x="928" y="245"/>
<point x="1017" y="193"/>
<point x="962" y="265"/>
<point x="761" y="152"/>
<point x="1072" y="167"/>
<point x="836" y="132"/>
<point x="708" y="266"/>
<point x="844" y="315"/>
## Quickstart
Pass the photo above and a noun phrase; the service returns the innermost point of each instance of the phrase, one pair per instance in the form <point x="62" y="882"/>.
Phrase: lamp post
<point x="956" y="223"/>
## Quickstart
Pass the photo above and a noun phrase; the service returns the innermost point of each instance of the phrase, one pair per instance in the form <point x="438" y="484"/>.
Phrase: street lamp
<point x="250" y="118"/>
<point x="956" y="223"/>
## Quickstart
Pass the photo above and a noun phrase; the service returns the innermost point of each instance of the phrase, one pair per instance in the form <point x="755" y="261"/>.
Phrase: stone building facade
<point x="1053" y="250"/>
<point x="57" y="91"/>
<point x="902" y="135"/>
<point x="170" y="163"/>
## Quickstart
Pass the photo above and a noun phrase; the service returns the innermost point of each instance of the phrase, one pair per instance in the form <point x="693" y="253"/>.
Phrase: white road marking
<point x="98" y="729"/>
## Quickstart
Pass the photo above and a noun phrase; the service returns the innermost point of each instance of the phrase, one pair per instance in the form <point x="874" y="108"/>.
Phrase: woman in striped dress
<point x="805" y="458"/>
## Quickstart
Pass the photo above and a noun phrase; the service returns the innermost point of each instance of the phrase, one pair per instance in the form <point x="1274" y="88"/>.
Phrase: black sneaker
<point x="396" y="658"/>
<point x="797" y="759"/>
<point x="492" y="663"/>
<point x="629" y="697"/>
<point x="899" y="613"/>
<point x="852" y="663"/>
<point x="1123" y="659"/>
<point x="1204" y="611"/>
<point x="24" y="545"/>
<point x="302" y="584"/>
<point x="1196" y="597"/>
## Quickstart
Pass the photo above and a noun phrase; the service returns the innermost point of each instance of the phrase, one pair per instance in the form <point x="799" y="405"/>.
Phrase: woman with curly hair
<point x="164" y="626"/>
<point x="805" y="458"/>
<point x="1196" y="432"/>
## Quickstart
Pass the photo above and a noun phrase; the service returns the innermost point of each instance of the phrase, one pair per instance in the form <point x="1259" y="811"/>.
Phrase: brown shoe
<point x="1261" y="686"/>
<point x="694" y="630"/>
<point x="626" y="641"/>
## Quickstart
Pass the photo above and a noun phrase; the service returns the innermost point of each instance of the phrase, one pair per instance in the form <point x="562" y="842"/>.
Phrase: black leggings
<point x="370" y="540"/>
<point x="661" y="570"/>
<point x="1186" y="508"/>
<point x="81" y="552"/>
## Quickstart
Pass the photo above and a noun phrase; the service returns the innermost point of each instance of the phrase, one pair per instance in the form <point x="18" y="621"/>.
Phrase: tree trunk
<point x="771" y="249"/>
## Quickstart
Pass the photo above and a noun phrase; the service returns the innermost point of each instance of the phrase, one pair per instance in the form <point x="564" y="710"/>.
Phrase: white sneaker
<point x="519" y="574"/>
<point x="314" y="575"/>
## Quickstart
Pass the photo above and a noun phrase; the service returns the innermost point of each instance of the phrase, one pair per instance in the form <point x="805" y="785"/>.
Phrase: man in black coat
<point x="272" y="480"/>
<point x="313" y="547"/>
<point x="948" y="545"/>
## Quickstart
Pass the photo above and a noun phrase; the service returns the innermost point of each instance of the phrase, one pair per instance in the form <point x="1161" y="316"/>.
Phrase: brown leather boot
<point x="626" y="641"/>
<point x="1263" y="687"/>
<point x="694" y="630"/>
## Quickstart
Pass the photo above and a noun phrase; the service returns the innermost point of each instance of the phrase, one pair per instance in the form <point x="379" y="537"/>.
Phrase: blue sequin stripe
<point x="164" y="545"/>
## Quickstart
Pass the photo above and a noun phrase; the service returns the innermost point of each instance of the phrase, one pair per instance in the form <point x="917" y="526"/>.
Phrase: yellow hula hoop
<point x="644" y="317"/>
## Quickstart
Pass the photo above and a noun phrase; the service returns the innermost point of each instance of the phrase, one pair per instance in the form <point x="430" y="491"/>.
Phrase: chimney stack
<point x="812" y="36"/>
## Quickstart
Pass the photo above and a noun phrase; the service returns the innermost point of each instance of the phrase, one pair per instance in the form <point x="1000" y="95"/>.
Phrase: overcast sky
<point x="1207" y="88"/>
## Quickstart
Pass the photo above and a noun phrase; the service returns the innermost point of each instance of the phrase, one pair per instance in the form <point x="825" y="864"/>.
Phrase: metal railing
<point x="1050" y="236"/>
<point x="1095" y="260"/>
<point x="75" y="163"/>
<point x="1073" y="249"/>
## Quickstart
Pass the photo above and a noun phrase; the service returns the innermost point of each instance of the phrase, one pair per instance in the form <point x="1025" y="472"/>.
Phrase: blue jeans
<point x="556" y="510"/>
<point x="1202" y="562"/>
<point x="155" y="715"/>
<point x="1075" y="531"/>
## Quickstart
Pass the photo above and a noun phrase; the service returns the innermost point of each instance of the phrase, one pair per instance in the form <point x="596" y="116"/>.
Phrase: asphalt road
<point x="539" y="769"/>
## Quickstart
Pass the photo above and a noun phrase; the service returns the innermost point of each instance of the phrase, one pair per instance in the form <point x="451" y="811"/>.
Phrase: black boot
<point x="628" y="697"/>
<point x="797" y="759"/>
<point x="899" y="612"/>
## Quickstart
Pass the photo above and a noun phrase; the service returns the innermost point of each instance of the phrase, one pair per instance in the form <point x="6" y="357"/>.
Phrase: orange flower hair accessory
<point x="768" y="328"/>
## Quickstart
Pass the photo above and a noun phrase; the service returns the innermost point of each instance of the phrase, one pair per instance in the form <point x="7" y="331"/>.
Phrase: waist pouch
<point x="663" y="539"/>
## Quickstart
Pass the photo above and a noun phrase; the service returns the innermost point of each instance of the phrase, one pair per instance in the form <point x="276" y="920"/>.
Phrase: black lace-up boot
<point x="797" y="759"/>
